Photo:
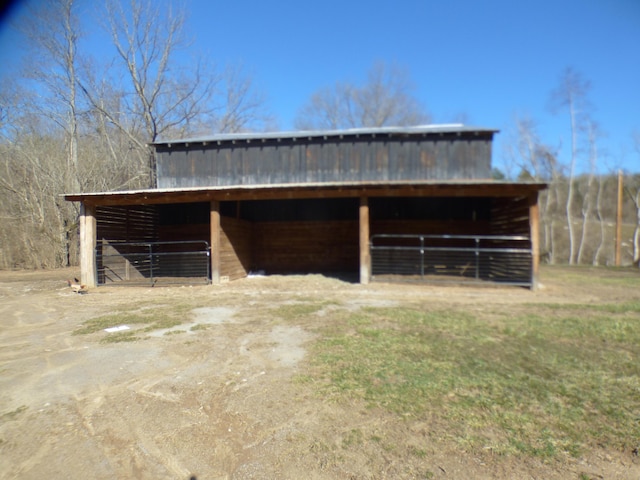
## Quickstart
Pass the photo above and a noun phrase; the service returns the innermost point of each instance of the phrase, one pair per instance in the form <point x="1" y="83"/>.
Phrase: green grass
<point x="303" y="307"/>
<point x="542" y="384"/>
<point x="119" y="337"/>
<point x="174" y="332"/>
<point x="200" y="326"/>
<point x="590" y="275"/>
<point x="146" y="319"/>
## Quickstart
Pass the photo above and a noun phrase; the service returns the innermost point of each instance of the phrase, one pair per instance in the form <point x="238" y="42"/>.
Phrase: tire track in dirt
<point x="234" y="365"/>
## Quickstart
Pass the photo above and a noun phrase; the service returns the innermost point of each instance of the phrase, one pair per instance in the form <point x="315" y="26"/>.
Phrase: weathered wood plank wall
<point x="350" y="159"/>
<point x="510" y="216"/>
<point x="236" y="239"/>
<point x="306" y="247"/>
<point x="135" y="223"/>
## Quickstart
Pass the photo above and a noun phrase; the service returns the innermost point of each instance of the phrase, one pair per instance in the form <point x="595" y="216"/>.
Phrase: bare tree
<point x="241" y="107"/>
<point x="151" y="100"/>
<point x="634" y="192"/>
<point x="161" y="94"/>
<point x="70" y="124"/>
<point x="53" y="33"/>
<point x="537" y="161"/>
<point x="601" y="221"/>
<point x="385" y="99"/>
<point x="589" y="193"/>
<point x="571" y="93"/>
<point x="33" y="214"/>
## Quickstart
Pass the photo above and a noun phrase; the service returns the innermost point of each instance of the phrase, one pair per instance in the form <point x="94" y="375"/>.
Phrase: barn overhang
<point x="523" y="195"/>
<point x="319" y="190"/>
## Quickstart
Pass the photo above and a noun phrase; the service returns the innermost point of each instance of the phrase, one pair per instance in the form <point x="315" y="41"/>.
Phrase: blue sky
<point x="487" y="60"/>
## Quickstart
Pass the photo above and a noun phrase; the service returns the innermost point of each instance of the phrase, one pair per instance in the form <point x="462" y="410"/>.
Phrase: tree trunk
<point x="596" y="256"/>
<point x="570" y="190"/>
<point x="636" y="232"/>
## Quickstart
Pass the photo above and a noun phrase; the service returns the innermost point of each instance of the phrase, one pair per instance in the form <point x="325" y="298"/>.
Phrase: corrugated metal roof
<point x="351" y="132"/>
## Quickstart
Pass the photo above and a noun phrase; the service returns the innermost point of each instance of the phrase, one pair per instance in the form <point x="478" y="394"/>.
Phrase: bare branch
<point x="385" y="99"/>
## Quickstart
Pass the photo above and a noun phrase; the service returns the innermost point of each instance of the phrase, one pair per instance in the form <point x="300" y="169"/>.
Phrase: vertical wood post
<point x="365" y="254"/>
<point x="88" y="273"/>
<point x="215" y="241"/>
<point x="534" y="227"/>
<point x="619" y="221"/>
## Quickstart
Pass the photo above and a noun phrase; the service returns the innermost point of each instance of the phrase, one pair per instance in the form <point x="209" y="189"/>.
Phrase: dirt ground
<point x="222" y="402"/>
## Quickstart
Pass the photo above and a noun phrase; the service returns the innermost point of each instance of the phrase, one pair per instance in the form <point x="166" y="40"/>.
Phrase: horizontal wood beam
<point x="301" y="192"/>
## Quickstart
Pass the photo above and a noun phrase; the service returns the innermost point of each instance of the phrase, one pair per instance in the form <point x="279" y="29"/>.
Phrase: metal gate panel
<point x="504" y="259"/>
<point x="153" y="263"/>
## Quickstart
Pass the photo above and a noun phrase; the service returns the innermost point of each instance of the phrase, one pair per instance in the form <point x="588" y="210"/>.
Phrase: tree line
<point x="70" y="122"/>
<point x="579" y="209"/>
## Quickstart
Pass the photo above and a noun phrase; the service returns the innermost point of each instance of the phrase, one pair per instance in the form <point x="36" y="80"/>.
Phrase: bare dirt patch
<point x="218" y="396"/>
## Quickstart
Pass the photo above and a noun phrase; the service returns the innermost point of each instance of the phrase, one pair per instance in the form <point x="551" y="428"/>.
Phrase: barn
<point x="402" y="203"/>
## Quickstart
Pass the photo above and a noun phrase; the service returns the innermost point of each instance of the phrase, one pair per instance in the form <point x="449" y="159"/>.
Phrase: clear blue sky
<point x="487" y="60"/>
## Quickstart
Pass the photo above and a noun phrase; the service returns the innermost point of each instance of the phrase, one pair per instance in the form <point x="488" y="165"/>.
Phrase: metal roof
<point x="350" y="132"/>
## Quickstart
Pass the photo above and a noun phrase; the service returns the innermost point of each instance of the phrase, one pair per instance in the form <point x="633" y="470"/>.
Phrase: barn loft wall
<point x="335" y="158"/>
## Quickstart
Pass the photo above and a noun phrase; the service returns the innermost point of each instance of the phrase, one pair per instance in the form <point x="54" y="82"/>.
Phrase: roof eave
<point x="222" y="192"/>
<point x="418" y="130"/>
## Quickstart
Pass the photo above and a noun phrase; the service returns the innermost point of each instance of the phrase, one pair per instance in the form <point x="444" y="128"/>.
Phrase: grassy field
<point x="541" y="380"/>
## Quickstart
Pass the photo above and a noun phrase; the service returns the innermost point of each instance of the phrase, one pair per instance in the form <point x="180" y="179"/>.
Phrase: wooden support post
<point x="215" y="242"/>
<point x="365" y="253"/>
<point x="534" y="227"/>
<point x="88" y="273"/>
<point x="618" y="259"/>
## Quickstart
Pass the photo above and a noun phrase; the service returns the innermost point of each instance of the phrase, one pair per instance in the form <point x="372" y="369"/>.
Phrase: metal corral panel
<point x="365" y="156"/>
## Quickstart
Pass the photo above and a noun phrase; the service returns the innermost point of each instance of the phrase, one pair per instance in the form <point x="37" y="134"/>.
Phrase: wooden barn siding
<point x="445" y="158"/>
<point x="304" y="247"/>
<point x="236" y="258"/>
<point x="136" y="223"/>
<point x="510" y="216"/>
<point x="235" y="243"/>
<point x="185" y="232"/>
